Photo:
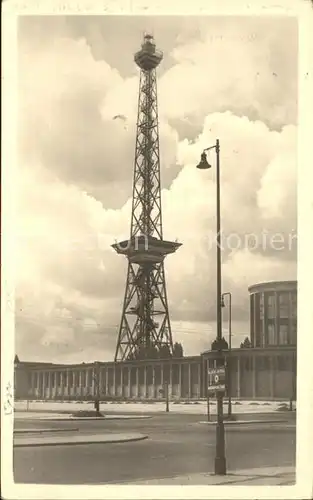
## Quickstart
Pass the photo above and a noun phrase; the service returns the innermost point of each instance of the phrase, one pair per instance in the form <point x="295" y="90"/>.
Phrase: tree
<point x="246" y="343"/>
<point x="152" y="352"/>
<point x="178" y="351"/>
<point x="216" y="345"/>
<point x="164" y="352"/>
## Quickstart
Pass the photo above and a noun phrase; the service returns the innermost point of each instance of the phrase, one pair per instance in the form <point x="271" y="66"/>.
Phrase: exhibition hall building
<point x="264" y="368"/>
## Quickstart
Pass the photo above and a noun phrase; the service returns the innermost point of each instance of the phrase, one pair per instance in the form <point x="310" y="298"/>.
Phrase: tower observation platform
<point x="145" y="329"/>
<point x="144" y="249"/>
<point x="148" y="57"/>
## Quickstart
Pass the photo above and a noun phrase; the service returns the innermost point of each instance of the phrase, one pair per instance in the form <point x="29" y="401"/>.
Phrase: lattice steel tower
<point x="145" y="325"/>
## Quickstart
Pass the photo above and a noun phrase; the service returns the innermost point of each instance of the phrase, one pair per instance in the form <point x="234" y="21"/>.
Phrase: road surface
<point x="177" y="444"/>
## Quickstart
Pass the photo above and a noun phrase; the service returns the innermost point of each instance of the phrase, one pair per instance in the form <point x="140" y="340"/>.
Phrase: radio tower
<point x="145" y="324"/>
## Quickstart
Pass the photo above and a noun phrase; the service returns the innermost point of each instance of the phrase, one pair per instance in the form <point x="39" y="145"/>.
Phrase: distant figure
<point x="97" y="405"/>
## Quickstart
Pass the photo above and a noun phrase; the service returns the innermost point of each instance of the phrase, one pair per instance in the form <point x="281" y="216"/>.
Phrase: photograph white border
<point x="303" y="10"/>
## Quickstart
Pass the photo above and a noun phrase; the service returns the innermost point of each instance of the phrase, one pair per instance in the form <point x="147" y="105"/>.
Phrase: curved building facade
<point x="273" y="314"/>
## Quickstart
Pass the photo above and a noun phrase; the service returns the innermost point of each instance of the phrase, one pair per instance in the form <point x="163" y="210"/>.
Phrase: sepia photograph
<point x="156" y="233"/>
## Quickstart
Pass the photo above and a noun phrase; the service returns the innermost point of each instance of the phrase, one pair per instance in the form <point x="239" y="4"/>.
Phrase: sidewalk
<point x="27" y="441"/>
<point x="140" y="406"/>
<point x="247" y="422"/>
<point x="267" y="476"/>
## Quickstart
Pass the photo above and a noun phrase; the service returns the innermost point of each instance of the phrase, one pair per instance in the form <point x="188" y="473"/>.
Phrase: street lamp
<point x="96" y="379"/>
<point x="220" y="460"/>
<point x="228" y="294"/>
<point x="167" y="407"/>
<point x="165" y="391"/>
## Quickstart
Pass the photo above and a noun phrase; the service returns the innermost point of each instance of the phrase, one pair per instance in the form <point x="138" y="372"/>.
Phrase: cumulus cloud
<point x="253" y="79"/>
<point x="75" y="176"/>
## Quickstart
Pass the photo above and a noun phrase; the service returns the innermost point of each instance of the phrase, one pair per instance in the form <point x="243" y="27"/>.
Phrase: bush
<point x="87" y="413"/>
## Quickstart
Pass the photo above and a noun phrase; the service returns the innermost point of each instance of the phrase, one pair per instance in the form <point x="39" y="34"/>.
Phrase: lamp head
<point x="204" y="164"/>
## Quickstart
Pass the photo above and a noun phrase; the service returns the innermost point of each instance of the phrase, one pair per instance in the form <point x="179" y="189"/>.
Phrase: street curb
<point x="77" y="419"/>
<point x="243" y="422"/>
<point x="113" y="417"/>
<point x="76" y="443"/>
<point x="285" y="476"/>
<point x="42" y="431"/>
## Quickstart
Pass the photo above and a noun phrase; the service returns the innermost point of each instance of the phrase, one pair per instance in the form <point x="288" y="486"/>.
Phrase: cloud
<point x="258" y="82"/>
<point x="75" y="179"/>
<point x="67" y="119"/>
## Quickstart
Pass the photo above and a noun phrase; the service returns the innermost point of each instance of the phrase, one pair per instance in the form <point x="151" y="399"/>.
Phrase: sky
<point x="232" y="78"/>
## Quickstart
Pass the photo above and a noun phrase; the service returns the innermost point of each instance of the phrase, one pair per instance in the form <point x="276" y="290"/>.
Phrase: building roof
<point x="273" y="286"/>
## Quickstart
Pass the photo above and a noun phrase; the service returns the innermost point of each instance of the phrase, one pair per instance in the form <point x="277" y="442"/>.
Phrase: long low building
<point x="255" y="373"/>
<point x="266" y="370"/>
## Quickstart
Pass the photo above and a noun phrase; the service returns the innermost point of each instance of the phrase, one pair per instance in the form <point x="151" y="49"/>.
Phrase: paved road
<point x="177" y="444"/>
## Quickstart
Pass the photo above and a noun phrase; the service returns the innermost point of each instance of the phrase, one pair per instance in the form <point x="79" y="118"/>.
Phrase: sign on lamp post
<point x="216" y="379"/>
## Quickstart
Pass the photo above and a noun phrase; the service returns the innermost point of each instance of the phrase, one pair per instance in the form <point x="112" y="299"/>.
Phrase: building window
<point x="283" y="305"/>
<point x="262" y="363"/>
<point x="282" y="363"/>
<point x="293" y="333"/>
<point x="293" y="304"/>
<point x="247" y="363"/>
<point x="261" y="306"/>
<point x="157" y="374"/>
<point x="141" y="375"/>
<point x="261" y="340"/>
<point x="124" y="377"/>
<point x="133" y="375"/>
<point x="271" y="309"/>
<point x="271" y="334"/>
<point x="175" y="374"/>
<point x="110" y="377"/>
<point x="149" y="374"/>
<point x="283" y="335"/>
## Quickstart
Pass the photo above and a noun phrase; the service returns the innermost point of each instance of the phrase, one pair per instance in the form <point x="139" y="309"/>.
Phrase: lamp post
<point x="165" y="392"/>
<point x="96" y="379"/>
<point x="228" y="294"/>
<point x="167" y="406"/>
<point x="220" y="460"/>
